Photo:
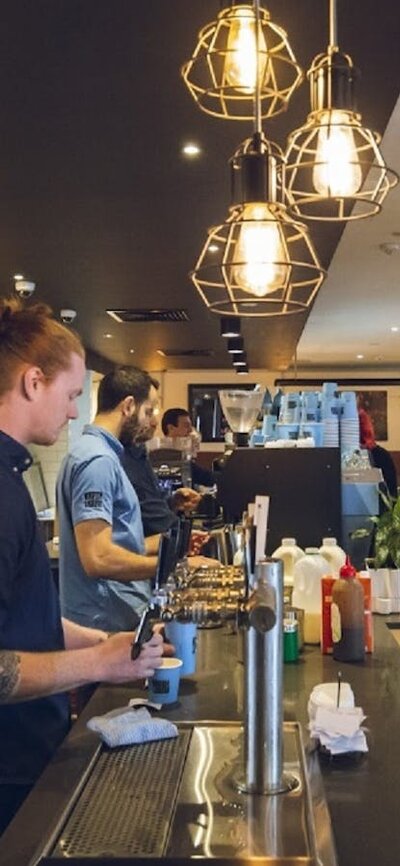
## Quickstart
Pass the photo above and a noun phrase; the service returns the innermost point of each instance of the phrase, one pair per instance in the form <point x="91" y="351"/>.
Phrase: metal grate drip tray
<point x="170" y="802"/>
<point x="128" y="787"/>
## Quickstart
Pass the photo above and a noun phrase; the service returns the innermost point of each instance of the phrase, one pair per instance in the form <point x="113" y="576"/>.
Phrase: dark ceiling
<point x="98" y="206"/>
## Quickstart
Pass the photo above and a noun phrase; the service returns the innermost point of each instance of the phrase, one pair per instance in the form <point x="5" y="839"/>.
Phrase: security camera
<point x="67" y="316"/>
<point x="24" y="288"/>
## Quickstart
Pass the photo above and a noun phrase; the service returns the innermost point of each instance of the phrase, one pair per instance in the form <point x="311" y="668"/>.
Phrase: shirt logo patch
<point x="93" y="499"/>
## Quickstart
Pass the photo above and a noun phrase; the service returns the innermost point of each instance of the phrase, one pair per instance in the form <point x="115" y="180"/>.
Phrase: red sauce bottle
<point x="347" y="616"/>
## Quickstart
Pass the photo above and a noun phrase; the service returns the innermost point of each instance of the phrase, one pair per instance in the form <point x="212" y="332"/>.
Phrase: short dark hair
<point x="171" y="416"/>
<point x="123" y="382"/>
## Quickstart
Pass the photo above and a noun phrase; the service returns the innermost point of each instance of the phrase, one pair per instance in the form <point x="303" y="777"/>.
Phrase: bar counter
<point x="363" y="796"/>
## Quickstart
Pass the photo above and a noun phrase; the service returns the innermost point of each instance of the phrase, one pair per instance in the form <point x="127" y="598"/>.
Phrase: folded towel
<point x="127" y="725"/>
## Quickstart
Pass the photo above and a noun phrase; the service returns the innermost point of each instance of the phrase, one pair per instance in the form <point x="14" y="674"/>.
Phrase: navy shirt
<point x="156" y="513"/>
<point x="30" y="620"/>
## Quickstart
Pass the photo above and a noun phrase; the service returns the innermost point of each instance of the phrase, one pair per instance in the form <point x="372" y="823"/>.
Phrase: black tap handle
<point x="144" y="630"/>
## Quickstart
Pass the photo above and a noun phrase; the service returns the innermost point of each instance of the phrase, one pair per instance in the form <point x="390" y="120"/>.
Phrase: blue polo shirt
<point x="92" y="485"/>
<point x="30" y="621"/>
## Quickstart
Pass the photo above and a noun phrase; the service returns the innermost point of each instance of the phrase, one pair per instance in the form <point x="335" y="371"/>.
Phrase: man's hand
<point x="185" y="499"/>
<point x="168" y="648"/>
<point x="117" y="665"/>
<point x="197" y="539"/>
<point x="203" y="562"/>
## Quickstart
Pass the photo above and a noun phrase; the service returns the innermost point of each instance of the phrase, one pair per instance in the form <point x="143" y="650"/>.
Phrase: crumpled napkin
<point x="128" y="725"/>
<point x="338" y="729"/>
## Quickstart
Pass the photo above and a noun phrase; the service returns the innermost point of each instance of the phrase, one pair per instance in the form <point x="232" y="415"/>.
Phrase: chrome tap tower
<point x="263" y="720"/>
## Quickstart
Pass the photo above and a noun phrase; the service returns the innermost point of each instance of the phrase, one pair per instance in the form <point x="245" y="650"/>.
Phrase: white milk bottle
<point x="289" y="553"/>
<point x="307" y="575"/>
<point x="333" y="554"/>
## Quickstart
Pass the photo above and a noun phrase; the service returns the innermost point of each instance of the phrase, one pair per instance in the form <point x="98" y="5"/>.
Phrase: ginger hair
<point x="29" y="335"/>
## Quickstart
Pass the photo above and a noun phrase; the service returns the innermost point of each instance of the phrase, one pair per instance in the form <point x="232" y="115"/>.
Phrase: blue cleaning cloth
<point x="127" y="725"/>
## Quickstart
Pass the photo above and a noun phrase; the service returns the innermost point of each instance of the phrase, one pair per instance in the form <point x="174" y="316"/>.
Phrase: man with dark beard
<point x="105" y="562"/>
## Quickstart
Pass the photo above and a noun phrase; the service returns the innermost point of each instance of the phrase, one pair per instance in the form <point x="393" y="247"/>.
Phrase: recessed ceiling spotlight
<point x="108" y="336"/>
<point x="213" y="248"/>
<point x="18" y="277"/>
<point x="191" y="149"/>
<point x="394" y="328"/>
<point x="359" y="357"/>
<point x="131" y="351"/>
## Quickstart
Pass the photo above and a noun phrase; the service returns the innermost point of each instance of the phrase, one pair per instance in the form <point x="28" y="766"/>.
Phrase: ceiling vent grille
<point x="138" y="315"/>
<point x="187" y="353"/>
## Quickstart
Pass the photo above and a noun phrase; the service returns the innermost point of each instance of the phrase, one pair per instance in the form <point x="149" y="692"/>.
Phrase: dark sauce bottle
<point x="347" y="616"/>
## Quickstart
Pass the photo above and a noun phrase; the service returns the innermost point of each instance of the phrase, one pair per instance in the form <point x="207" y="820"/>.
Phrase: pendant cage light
<point x="334" y="169"/>
<point x="236" y="54"/>
<point x="266" y="263"/>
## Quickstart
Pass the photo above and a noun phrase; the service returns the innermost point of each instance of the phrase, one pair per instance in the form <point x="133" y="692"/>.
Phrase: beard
<point x="130" y="430"/>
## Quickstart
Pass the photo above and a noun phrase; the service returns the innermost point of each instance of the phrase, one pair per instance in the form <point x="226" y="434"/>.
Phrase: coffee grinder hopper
<point x="241" y="409"/>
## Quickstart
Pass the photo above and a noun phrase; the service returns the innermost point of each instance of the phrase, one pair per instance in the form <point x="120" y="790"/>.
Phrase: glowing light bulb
<point x="337" y="171"/>
<point x="241" y="59"/>
<point x="260" y="263"/>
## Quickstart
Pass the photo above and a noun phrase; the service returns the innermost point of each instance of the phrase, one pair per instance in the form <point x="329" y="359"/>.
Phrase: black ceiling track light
<point x="230" y="326"/>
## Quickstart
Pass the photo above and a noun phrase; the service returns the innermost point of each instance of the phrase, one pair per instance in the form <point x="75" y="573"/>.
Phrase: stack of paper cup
<point x="331" y="432"/>
<point x="349" y="434"/>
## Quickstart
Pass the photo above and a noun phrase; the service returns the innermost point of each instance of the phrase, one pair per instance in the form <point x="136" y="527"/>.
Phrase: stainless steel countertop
<point x="363" y="797"/>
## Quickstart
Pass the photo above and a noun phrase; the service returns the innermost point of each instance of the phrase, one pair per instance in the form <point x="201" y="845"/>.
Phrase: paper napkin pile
<point x="337" y="728"/>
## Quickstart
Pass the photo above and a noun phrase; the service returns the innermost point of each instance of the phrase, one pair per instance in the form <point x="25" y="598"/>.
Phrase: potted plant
<point x="384" y="565"/>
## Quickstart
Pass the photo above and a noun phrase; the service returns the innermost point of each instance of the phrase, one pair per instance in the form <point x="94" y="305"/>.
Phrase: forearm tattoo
<point x="9" y="675"/>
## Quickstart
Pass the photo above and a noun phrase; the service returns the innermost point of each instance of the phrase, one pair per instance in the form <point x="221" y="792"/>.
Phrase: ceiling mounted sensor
<point x="236" y="54"/>
<point x="138" y="315"/>
<point x="24" y="288"/>
<point x="334" y="169"/>
<point x="68" y="316"/>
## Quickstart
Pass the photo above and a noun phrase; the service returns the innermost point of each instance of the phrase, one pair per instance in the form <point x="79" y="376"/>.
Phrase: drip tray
<point x="172" y="801"/>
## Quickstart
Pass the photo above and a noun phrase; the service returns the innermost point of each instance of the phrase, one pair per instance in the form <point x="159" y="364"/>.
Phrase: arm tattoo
<point x="9" y="675"/>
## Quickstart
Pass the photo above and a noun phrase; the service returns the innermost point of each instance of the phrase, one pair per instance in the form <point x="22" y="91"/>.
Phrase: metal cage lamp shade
<point x="334" y="169"/>
<point x="237" y="54"/>
<point x="266" y="263"/>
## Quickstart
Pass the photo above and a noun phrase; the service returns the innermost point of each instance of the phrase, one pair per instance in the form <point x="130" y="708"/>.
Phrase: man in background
<point x="176" y="423"/>
<point x="106" y="565"/>
<point x="159" y="511"/>
<point x="41" y="655"/>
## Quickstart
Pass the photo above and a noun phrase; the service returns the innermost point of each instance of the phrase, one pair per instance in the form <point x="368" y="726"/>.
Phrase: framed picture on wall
<point x="375" y="403"/>
<point x="205" y="409"/>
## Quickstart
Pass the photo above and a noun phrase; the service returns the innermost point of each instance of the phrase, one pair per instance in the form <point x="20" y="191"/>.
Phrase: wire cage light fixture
<point x="266" y="263"/>
<point x="334" y="168"/>
<point x="236" y="54"/>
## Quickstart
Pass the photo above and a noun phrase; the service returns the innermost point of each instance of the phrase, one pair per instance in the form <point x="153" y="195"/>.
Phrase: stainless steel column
<point x="263" y="722"/>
